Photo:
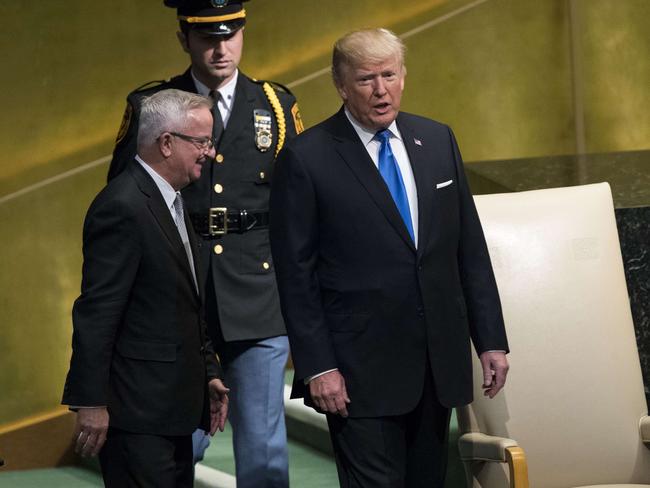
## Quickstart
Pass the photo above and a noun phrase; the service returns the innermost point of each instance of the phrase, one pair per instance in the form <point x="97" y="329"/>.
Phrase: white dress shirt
<point x="226" y="99"/>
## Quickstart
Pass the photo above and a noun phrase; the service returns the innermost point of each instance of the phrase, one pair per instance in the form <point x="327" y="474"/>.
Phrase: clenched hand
<point x="329" y="394"/>
<point x="90" y="430"/>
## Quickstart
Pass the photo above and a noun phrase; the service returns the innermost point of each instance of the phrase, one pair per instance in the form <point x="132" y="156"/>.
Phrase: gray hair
<point x="365" y="46"/>
<point x="166" y="111"/>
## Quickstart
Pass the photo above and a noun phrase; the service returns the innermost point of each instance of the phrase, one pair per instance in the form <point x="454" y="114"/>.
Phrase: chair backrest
<point x="574" y="395"/>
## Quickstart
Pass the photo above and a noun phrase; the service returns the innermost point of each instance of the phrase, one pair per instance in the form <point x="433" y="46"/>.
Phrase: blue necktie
<point x="390" y="172"/>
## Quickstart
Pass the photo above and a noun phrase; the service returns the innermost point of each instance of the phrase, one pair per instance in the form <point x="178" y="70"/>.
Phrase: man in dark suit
<point x="229" y="208"/>
<point x="384" y="274"/>
<point x="143" y="375"/>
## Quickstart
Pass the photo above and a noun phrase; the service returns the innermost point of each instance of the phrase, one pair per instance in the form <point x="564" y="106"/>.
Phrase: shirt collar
<point x="367" y="135"/>
<point x="168" y="193"/>
<point x="227" y="91"/>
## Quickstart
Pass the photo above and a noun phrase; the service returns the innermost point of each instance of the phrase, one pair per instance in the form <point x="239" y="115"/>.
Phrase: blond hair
<point x="365" y="46"/>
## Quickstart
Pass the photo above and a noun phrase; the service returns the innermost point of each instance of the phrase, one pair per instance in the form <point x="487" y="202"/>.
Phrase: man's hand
<point x="495" y="369"/>
<point x="329" y="394"/>
<point x="90" y="430"/>
<point x="218" y="405"/>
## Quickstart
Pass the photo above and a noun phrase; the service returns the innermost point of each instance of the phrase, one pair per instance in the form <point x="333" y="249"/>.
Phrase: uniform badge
<point x="126" y="122"/>
<point x="218" y="3"/>
<point x="297" y="119"/>
<point x="263" y="134"/>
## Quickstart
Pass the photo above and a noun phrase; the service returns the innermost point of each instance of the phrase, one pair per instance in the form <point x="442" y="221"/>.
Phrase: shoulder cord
<point x="279" y="115"/>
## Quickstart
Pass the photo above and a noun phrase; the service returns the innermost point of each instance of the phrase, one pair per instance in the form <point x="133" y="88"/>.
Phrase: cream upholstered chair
<point x="573" y="412"/>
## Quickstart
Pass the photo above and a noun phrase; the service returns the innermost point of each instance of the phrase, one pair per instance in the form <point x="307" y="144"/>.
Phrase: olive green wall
<point x="615" y="42"/>
<point x="501" y="73"/>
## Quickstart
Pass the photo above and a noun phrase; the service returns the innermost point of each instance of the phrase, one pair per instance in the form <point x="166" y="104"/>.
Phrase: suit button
<point x="202" y="350"/>
<point x="262" y="175"/>
<point x="218" y="249"/>
<point x="420" y="312"/>
<point x="266" y="265"/>
<point x="218" y="188"/>
<point x="219" y="158"/>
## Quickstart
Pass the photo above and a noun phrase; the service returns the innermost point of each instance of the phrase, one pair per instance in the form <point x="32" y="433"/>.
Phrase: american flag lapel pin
<point x="417" y="141"/>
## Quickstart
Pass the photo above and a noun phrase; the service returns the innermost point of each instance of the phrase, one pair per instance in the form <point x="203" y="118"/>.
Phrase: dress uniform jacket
<point x="238" y="179"/>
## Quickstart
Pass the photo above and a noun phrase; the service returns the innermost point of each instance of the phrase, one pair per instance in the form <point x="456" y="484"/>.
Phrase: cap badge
<point x="219" y="3"/>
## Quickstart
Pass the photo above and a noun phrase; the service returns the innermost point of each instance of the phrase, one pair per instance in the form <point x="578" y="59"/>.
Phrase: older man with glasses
<point x="143" y="374"/>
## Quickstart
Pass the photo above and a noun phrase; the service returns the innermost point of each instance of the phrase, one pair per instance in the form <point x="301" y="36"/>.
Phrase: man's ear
<point x="184" y="42"/>
<point x="342" y="92"/>
<point x="165" y="144"/>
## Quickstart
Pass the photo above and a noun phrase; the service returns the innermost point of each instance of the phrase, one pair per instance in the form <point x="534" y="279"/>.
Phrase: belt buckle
<point x="217" y="221"/>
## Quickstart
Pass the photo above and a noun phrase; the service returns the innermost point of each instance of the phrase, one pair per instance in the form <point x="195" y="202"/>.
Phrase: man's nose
<point x="219" y="47"/>
<point x="380" y="87"/>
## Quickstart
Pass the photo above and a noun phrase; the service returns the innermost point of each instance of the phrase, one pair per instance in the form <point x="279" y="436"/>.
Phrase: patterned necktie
<point x="182" y="230"/>
<point x="217" y="127"/>
<point x="390" y="172"/>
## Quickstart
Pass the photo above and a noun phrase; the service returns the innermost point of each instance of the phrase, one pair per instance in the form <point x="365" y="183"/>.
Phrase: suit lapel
<point x="356" y="157"/>
<point x="420" y="166"/>
<point x="241" y="113"/>
<point x="162" y="216"/>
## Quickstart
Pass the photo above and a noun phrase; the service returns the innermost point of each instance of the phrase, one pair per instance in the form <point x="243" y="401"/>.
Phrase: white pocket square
<point x="443" y="184"/>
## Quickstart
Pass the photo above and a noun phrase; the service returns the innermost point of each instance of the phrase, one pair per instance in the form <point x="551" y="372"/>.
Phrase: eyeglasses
<point x="200" y="142"/>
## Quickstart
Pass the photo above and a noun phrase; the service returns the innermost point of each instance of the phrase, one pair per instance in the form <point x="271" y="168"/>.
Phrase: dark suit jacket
<point x="245" y="287"/>
<point x="139" y="344"/>
<point x="356" y="294"/>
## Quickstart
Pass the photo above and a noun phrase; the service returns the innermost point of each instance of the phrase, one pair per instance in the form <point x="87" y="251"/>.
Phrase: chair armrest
<point x="644" y="429"/>
<point x="475" y="446"/>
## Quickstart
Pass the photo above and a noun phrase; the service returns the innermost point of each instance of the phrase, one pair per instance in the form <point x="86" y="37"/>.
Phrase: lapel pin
<point x="417" y="141"/>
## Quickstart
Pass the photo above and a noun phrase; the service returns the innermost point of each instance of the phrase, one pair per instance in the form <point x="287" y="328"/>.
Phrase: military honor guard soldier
<point x="229" y="210"/>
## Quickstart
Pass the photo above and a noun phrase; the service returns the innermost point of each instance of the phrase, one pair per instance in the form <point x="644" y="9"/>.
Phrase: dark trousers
<point x="131" y="460"/>
<point x="404" y="451"/>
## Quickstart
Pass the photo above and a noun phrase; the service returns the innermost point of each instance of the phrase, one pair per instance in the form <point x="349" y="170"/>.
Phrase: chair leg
<point x="516" y="459"/>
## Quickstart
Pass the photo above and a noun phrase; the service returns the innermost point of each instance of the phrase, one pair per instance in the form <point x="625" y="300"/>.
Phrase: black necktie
<point x="217" y="128"/>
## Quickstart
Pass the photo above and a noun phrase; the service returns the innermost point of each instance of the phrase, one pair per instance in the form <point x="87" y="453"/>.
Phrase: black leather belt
<point x="218" y="221"/>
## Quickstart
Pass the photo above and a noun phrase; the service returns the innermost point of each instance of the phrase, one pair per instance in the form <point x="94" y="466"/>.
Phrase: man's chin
<point x="384" y="120"/>
<point x="222" y="73"/>
<point x="196" y="174"/>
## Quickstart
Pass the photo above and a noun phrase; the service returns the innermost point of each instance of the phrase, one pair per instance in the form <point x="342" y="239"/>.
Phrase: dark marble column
<point x="634" y="234"/>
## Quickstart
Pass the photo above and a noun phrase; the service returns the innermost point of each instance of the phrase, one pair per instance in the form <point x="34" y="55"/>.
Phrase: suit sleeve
<point x="212" y="364"/>
<point x="126" y="140"/>
<point x="111" y="256"/>
<point x="477" y="277"/>
<point x="294" y="244"/>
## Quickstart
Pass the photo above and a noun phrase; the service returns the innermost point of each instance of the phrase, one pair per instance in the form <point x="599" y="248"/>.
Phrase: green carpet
<point x="308" y="468"/>
<point x="67" y="477"/>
